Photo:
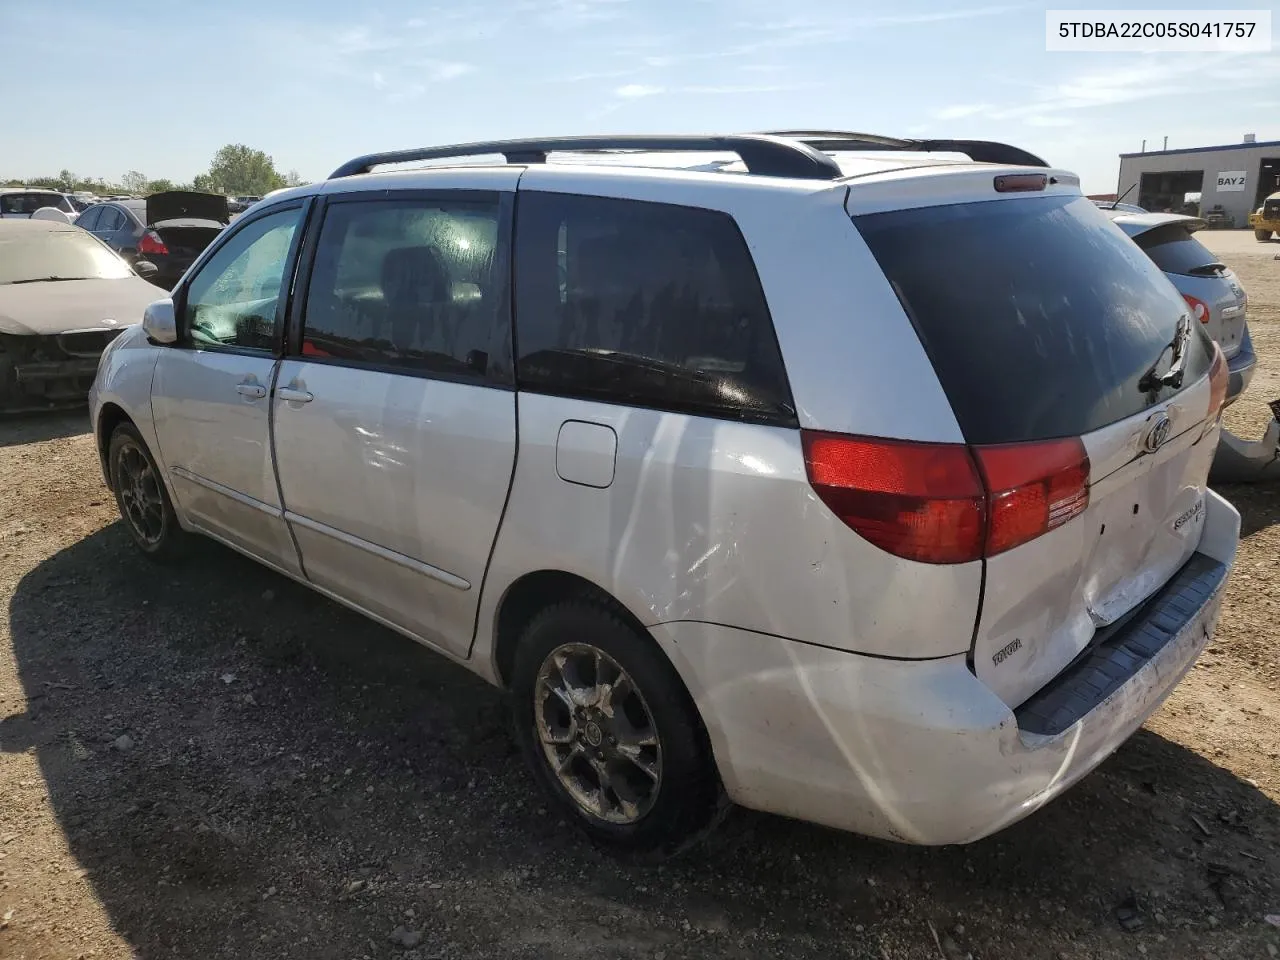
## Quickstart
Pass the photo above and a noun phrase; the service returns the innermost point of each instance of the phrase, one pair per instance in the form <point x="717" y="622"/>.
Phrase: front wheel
<point x="1263" y="235"/>
<point x="141" y="497"/>
<point x="609" y="730"/>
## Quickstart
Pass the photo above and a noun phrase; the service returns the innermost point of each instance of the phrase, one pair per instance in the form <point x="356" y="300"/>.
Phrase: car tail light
<point x="1199" y="309"/>
<point x="947" y="503"/>
<point x="920" y="501"/>
<point x="151" y="243"/>
<point x="1032" y="488"/>
<point x="1219" y="377"/>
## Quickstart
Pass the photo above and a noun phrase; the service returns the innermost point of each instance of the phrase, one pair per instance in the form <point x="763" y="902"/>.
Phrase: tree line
<point x="236" y="170"/>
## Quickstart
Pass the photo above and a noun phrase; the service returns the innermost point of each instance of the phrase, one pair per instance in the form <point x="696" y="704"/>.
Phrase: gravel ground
<point x="213" y="762"/>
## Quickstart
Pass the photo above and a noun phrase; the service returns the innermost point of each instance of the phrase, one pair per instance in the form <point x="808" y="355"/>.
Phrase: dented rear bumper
<point x="922" y="751"/>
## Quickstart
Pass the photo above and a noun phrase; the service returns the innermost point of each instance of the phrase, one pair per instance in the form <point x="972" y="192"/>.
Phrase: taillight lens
<point x="151" y="243"/>
<point x="1020" y="182"/>
<point x="920" y="501"/>
<point x="1219" y="377"/>
<point x="947" y="503"/>
<point x="1032" y="488"/>
<point x="1199" y="309"/>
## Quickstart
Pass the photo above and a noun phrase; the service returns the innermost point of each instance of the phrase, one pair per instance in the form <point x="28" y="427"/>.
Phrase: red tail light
<point x="1199" y="309"/>
<point x="1219" y="377"/>
<point x="152" y="244"/>
<point x="1020" y="182"/>
<point x="1032" y="488"/>
<point x="947" y="503"/>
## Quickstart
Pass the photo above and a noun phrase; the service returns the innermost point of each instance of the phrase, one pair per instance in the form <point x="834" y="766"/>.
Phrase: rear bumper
<point x="1240" y="368"/>
<point x="922" y="751"/>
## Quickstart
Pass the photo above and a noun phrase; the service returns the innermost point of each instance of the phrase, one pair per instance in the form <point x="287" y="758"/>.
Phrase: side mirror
<point x="145" y="269"/>
<point x="159" y="322"/>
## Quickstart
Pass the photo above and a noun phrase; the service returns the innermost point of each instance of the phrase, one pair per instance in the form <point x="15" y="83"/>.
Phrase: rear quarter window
<point x="1039" y="315"/>
<point x="645" y="304"/>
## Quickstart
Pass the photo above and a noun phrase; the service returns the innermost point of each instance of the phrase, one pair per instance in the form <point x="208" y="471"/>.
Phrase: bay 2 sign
<point x="1231" y="181"/>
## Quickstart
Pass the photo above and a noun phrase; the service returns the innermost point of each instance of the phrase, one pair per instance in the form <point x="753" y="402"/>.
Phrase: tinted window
<point x="409" y="283"/>
<point x="1039" y="315"/>
<point x="29" y="203"/>
<point x="232" y="300"/>
<point x="89" y="219"/>
<point x="64" y="254"/>
<point x="1175" y="250"/>
<point x="645" y="304"/>
<point x="112" y="219"/>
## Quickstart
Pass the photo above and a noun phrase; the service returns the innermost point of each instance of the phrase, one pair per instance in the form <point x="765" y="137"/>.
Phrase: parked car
<point x="21" y="203"/>
<point x="703" y="468"/>
<point x="1266" y="219"/>
<point x="168" y="229"/>
<point x="1120" y="207"/>
<point x="63" y="297"/>
<point x="1211" y="289"/>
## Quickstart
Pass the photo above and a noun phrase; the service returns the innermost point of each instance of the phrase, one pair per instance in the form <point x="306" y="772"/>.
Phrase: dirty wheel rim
<point x="143" y="508"/>
<point x="597" y="733"/>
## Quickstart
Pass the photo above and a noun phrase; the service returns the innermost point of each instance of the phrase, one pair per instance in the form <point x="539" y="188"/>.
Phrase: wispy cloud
<point x="571" y="14"/>
<point x="633" y="91"/>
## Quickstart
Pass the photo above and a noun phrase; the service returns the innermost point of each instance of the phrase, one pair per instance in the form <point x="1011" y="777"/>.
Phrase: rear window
<point x="29" y="203"/>
<point x="1175" y="250"/>
<point x="1039" y="315"/>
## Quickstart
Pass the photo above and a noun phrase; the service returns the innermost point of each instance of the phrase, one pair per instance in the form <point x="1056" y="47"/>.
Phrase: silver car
<point x="1211" y="289"/>
<point x="861" y="490"/>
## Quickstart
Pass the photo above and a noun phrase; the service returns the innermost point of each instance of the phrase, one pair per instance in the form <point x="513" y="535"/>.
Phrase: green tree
<point x="239" y="171"/>
<point x="66" y="180"/>
<point x="161" y="185"/>
<point x="134" y="182"/>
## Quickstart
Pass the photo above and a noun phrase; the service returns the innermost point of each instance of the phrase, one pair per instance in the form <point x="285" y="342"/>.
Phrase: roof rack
<point x="981" y="151"/>
<point x="763" y="154"/>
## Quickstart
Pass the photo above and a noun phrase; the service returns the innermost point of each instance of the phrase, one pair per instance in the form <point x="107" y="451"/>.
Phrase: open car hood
<point x="180" y="204"/>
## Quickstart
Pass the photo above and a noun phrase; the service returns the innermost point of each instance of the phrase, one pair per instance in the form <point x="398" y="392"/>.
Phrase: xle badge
<point x="1003" y="654"/>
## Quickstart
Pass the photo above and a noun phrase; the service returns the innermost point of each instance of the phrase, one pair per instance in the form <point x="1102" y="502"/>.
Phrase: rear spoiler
<point x="980" y="151"/>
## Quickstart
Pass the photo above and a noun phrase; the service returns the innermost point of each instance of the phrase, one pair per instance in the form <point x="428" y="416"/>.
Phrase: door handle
<point x="254" y="391"/>
<point x="294" y="396"/>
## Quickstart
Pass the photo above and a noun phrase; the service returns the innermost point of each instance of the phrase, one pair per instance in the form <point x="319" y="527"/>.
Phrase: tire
<point x="142" y="499"/>
<point x="666" y="813"/>
<point x="1263" y="235"/>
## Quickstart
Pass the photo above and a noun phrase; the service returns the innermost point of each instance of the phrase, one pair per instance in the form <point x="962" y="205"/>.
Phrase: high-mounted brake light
<point x="1199" y="309"/>
<point x="151" y="243"/>
<point x="947" y="503"/>
<point x="1020" y="182"/>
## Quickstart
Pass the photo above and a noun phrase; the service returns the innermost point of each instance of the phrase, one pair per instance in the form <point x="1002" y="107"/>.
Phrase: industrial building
<point x="1231" y="180"/>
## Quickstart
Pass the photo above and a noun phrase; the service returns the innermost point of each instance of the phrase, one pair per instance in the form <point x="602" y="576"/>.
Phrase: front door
<point x="395" y="426"/>
<point x="211" y="394"/>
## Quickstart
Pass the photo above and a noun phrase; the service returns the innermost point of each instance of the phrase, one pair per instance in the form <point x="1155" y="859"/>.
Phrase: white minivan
<point x="862" y="490"/>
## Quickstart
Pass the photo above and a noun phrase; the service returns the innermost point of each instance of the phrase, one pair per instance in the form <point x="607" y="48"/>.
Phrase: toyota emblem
<point x="1157" y="434"/>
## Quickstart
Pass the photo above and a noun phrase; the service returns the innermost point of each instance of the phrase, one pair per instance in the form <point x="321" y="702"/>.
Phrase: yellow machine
<point x="1266" y="219"/>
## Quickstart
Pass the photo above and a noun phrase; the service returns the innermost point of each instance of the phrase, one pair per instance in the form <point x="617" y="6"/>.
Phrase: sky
<point x="101" y="88"/>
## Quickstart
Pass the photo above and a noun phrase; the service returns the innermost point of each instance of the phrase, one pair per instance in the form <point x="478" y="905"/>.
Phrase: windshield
<point x="1040" y="316"/>
<point x="25" y="204"/>
<point x="71" y="254"/>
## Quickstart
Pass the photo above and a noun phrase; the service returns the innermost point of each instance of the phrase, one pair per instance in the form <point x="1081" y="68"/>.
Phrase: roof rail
<point x="981" y="151"/>
<point x="763" y="154"/>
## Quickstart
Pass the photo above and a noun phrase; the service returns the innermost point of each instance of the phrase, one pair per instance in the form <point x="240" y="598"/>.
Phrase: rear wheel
<point x="609" y="730"/>
<point x="1263" y="235"/>
<point x="141" y="497"/>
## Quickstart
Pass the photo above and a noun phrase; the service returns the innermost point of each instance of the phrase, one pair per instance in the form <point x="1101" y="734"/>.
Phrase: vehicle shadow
<point x="295" y="779"/>
<point x="19" y="428"/>
<point x="1258" y="504"/>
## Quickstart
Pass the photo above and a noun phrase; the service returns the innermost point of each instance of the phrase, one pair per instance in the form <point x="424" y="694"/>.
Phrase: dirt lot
<point x="212" y="762"/>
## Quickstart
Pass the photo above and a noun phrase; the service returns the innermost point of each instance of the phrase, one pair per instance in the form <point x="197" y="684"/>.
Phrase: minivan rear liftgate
<point x="1090" y="404"/>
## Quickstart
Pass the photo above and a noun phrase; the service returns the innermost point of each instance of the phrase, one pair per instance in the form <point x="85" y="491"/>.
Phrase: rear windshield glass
<point x="1039" y="315"/>
<point x="1175" y="250"/>
<point x="31" y="256"/>
<point x="29" y="203"/>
